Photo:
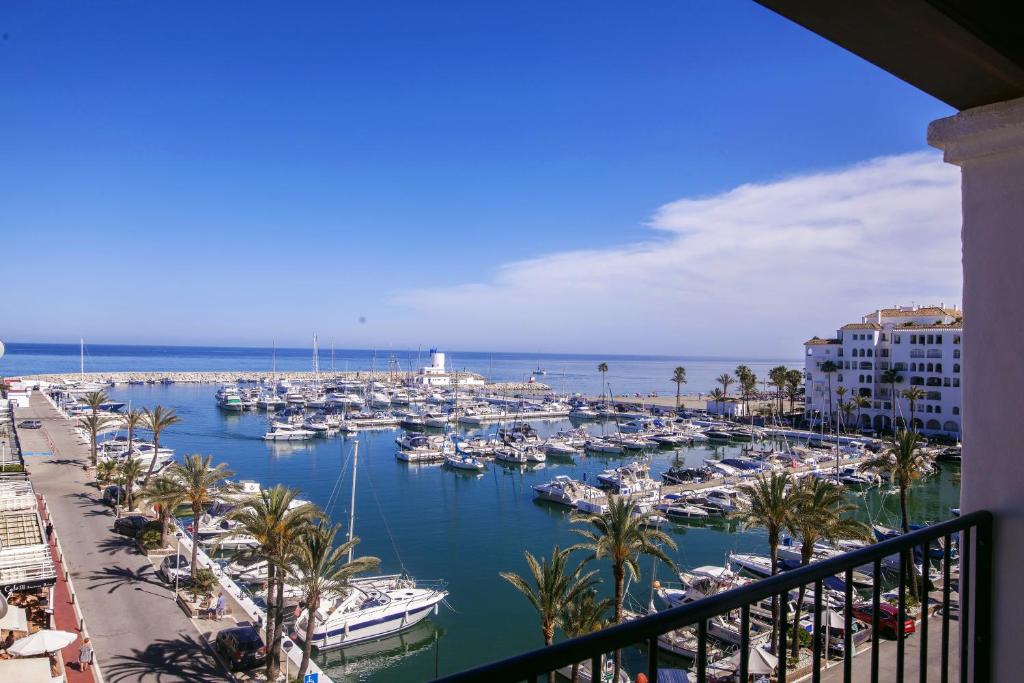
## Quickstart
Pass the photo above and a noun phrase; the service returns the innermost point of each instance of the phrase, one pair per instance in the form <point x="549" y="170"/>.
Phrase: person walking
<point x="221" y="606"/>
<point x="85" y="655"/>
<point x="49" y="531"/>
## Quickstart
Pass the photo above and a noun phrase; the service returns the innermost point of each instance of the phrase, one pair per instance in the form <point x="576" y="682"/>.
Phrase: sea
<point x="436" y="524"/>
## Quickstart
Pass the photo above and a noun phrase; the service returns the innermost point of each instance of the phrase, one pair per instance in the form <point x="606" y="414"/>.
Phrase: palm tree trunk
<point x="197" y="510"/>
<point x="909" y="570"/>
<point x="549" y="638"/>
<point x="774" y="546"/>
<point x="805" y="558"/>
<point x="92" y="446"/>
<point x="678" y="389"/>
<point x="271" y="583"/>
<point x="163" y="526"/>
<point x="278" y="624"/>
<point x="307" y="644"/>
<point x="575" y="677"/>
<point x="620" y="578"/>
<point x="156" y="452"/>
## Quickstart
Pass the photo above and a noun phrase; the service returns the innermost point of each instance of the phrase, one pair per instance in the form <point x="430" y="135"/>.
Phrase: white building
<point x="922" y="344"/>
<point x="435" y="374"/>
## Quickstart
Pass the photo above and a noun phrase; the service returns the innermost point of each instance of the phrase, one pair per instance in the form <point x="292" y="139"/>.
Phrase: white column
<point x="987" y="143"/>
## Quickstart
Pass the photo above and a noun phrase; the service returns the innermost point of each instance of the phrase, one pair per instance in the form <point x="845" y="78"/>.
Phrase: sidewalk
<point x="138" y="631"/>
<point x="65" y="619"/>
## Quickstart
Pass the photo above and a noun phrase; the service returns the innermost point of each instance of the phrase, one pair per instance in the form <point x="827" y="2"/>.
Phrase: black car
<point x="113" y="493"/>
<point x="130" y="525"/>
<point x="241" y="647"/>
<point x="30" y="424"/>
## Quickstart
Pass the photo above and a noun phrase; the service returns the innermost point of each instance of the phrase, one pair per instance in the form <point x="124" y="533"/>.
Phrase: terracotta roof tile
<point x="818" y="341"/>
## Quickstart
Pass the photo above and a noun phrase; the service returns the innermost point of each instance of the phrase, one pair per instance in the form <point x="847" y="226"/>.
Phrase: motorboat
<point x="461" y="461"/>
<point x="566" y="491"/>
<point x="288" y="432"/>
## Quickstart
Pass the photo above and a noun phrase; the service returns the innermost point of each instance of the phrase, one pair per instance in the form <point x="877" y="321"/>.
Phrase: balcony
<point x="970" y="570"/>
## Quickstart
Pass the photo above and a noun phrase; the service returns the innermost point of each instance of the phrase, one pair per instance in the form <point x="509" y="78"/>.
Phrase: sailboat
<point x="82" y="386"/>
<point x="372" y="607"/>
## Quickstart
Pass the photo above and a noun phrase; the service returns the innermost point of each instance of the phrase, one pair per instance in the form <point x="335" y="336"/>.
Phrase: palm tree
<point x="164" y="494"/>
<point x="197" y="480"/>
<point x="156" y="421"/>
<point x="913" y="394"/>
<point x="891" y="377"/>
<point x="603" y="369"/>
<point x="819" y="515"/>
<point x="847" y="410"/>
<point x="679" y="377"/>
<point x="777" y="377"/>
<point x="725" y="379"/>
<point x="772" y="505"/>
<point x="276" y="525"/>
<point x="131" y="471"/>
<point x="106" y="472"/>
<point x="132" y="419"/>
<point x="94" y="423"/>
<point x="554" y="589"/>
<point x="794" y="378"/>
<point x="621" y="536"/>
<point x="828" y="367"/>
<point x="748" y="389"/>
<point x="320" y="568"/>
<point x="583" y="616"/>
<point x="905" y="462"/>
<point x="860" y="402"/>
<point x="94" y="399"/>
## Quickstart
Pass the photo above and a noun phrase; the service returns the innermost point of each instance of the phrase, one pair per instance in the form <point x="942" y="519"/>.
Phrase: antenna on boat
<point x="352" y="505"/>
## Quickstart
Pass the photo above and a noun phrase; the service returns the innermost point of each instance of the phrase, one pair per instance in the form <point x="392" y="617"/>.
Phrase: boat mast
<point x="81" y="357"/>
<point x="352" y="505"/>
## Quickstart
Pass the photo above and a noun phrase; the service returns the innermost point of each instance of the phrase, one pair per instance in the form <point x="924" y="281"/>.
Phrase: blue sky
<point x="235" y="172"/>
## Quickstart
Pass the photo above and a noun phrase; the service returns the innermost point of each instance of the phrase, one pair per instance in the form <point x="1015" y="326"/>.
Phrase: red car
<point x="888" y="618"/>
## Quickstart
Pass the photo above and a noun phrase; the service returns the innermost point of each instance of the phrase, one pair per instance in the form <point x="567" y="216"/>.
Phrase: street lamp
<point x="177" y="561"/>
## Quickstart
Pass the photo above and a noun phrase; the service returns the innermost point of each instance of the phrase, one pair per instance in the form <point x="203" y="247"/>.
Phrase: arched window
<point x="956" y="410"/>
<point x="951" y="426"/>
<point x="956" y="338"/>
<point x="956" y="367"/>
<point x="938" y="367"/>
<point x="928" y="409"/>
<point x="931" y="368"/>
<point x="956" y="353"/>
<point x="869" y="353"/>
<point x="860" y="379"/>
<point x="934" y="425"/>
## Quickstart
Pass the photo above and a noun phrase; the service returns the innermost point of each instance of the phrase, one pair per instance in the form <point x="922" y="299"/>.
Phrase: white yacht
<point x="288" y="432"/>
<point x="461" y="461"/>
<point x="566" y="491"/>
<point x="370" y="608"/>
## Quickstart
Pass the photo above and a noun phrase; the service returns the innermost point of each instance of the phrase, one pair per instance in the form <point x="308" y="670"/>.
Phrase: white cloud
<point x="750" y="272"/>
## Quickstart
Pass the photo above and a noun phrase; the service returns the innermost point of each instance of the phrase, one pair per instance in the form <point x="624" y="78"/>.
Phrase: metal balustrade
<point x="973" y="532"/>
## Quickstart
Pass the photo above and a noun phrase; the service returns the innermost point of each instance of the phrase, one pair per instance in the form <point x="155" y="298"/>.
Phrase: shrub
<point x="12" y="467"/>
<point x="150" y="538"/>
<point x="202" y="583"/>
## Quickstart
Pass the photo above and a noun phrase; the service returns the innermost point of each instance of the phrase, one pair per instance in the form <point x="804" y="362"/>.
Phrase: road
<point x="138" y="631"/>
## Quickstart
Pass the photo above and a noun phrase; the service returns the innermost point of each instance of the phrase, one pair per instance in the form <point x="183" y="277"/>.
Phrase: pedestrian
<point x="49" y="530"/>
<point x="221" y="605"/>
<point x="85" y="655"/>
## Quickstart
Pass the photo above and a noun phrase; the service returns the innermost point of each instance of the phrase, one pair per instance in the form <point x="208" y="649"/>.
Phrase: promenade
<point x="138" y="631"/>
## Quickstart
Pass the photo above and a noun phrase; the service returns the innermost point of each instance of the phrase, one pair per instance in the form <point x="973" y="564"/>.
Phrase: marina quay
<point x="665" y="342"/>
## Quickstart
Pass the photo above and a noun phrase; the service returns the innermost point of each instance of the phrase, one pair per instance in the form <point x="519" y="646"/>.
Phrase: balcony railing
<point x="973" y="532"/>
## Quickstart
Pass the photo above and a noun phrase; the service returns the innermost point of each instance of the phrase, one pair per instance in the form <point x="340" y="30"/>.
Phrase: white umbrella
<point x="42" y="642"/>
<point x="760" y="661"/>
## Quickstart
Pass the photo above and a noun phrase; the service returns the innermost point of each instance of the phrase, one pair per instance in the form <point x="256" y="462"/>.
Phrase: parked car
<point x="113" y="493"/>
<point x="30" y="424"/>
<point x="241" y="647"/>
<point x="174" y="565"/>
<point x="130" y="525"/>
<point x="888" y="618"/>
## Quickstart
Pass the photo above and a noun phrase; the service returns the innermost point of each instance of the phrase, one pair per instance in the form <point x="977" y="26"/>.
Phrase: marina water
<point x="439" y="524"/>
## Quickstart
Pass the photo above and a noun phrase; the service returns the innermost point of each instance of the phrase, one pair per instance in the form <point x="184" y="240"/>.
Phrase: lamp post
<point x="177" y="561"/>
<point x="287" y="646"/>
